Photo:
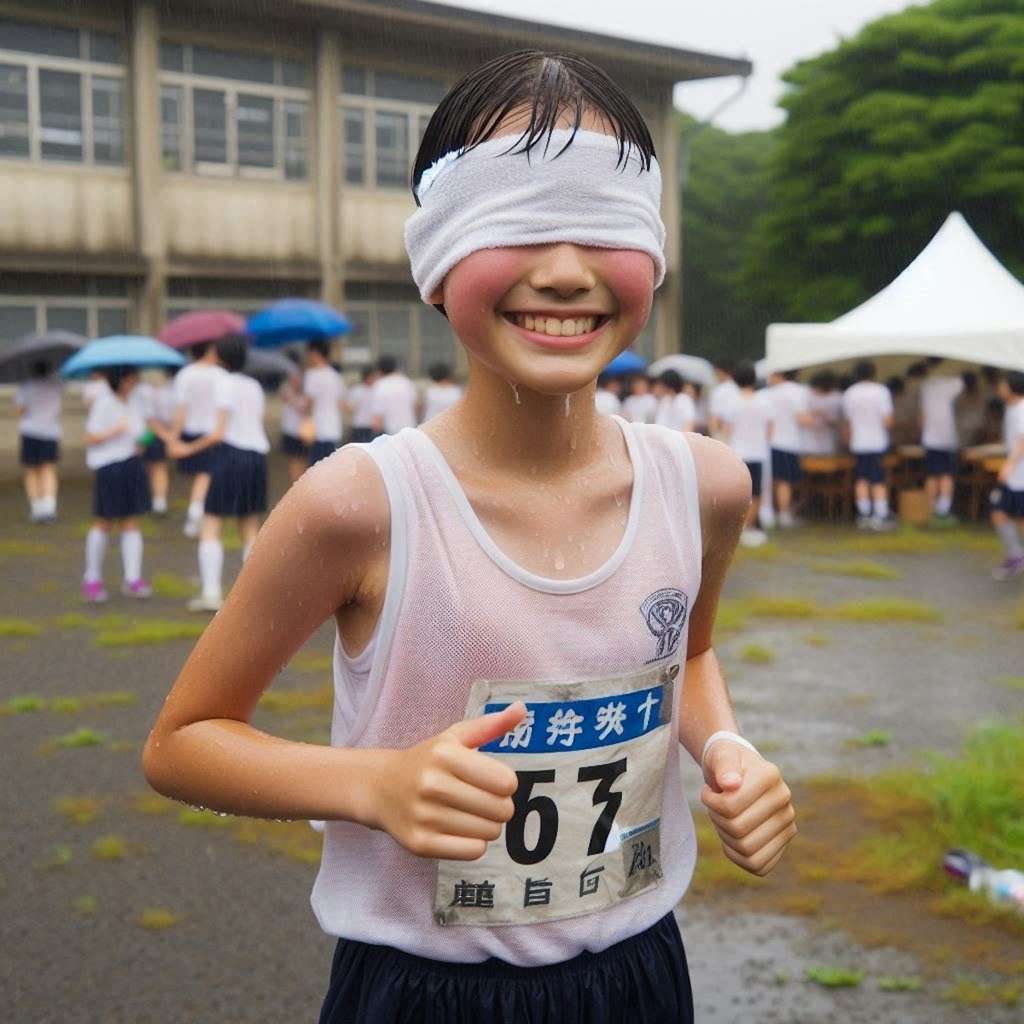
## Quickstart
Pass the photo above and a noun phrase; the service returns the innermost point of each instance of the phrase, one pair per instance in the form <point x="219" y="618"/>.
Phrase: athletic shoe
<point x="93" y="592"/>
<point x="137" y="588"/>
<point x="883" y="524"/>
<point x="205" y="604"/>
<point x="939" y="522"/>
<point x="753" y="538"/>
<point x="1009" y="570"/>
<point x="191" y="528"/>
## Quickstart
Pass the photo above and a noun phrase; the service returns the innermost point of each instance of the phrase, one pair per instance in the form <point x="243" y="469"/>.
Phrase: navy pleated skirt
<point x="201" y="462"/>
<point x="644" y="978"/>
<point x="121" y="490"/>
<point x="238" y="484"/>
<point x="38" y="451"/>
<point x="294" y="447"/>
<point x="155" y="451"/>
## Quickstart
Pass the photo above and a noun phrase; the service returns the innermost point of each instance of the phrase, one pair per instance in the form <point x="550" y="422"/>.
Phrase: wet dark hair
<point x="671" y="380"/>
<point x="367" y="372"/>
<point x="1015" y="381"/>
<point x="547" y="83"/>
<point x="198" y="350"/>
<point x="919" y="369"/>
<point x="41" y="368"/>
<point x="231" y="351"/>
<point x="321" y="345"/>
<point x="439" y="372"/>
<point x="865" y="370"/>
<point x="745" y="375"/>
<point x="387" y="364"/>
<point x="970" y="379"/>
<point x="114" y="375"/>
<point x="896" y="385"/>
<point x="823" y="380"/>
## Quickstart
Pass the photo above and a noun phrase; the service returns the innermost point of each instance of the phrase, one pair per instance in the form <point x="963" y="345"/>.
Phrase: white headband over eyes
<point x="489" y="198"/>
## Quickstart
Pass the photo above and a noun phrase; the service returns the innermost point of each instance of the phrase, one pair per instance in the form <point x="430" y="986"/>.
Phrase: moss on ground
<point x="145" y="632"/>
<point x="860" y="569"/>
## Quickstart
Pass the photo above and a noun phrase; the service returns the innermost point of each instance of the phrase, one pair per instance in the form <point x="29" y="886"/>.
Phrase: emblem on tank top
<point x="665" y="614"/>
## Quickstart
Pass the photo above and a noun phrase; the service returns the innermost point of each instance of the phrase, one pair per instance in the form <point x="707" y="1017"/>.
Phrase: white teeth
<point x="554" y="326"/>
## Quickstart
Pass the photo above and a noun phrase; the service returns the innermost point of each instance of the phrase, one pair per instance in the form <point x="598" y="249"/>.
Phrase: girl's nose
<point x="562" y="269"/>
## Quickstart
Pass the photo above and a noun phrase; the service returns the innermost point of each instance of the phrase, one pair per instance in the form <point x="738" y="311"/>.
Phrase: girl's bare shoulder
<point x="723" y="480"/>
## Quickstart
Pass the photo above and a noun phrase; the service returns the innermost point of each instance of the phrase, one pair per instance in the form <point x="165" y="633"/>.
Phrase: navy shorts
<point x="939" y="462"/>
<point x="238" y="485"/>
<point x="155" y="451"/>
<point x="201" y="462"/>
<point x="785" y="466"/>
<point x="643" y="978"/>
<point x="362" y="435"/>
<point x="869" y="467"/>
<point x="756" y="471"/>
<point x="1010" y="503"/>
<point x="293" y="446"/>
<point x="121" y="490"/>
<point x="38" y="451"/>
<point x="320" y="450"/>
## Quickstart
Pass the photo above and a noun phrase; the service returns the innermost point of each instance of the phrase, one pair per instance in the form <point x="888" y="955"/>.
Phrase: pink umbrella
<point x="201" y="325"/>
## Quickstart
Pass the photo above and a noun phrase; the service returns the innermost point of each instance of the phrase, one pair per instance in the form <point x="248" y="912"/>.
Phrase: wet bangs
<point x="547" y="84"/>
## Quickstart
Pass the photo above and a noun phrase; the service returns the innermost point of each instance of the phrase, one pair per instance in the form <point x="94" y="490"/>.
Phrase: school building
<point x="160" y="156"/>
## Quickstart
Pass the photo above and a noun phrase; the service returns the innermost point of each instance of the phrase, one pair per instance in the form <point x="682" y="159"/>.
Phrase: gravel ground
<point x="241" y="943"/>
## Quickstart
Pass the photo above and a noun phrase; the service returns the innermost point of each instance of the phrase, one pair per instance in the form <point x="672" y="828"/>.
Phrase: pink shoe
<point x="137" y="588"/>
<point x="93" y="592"/>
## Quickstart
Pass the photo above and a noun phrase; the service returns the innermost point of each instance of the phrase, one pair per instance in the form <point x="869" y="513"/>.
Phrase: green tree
<point x="921" y="114"/>
<point x="725" y="190"/>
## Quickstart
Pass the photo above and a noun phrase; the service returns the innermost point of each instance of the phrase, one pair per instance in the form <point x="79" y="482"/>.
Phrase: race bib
<point x="590" y="757"/>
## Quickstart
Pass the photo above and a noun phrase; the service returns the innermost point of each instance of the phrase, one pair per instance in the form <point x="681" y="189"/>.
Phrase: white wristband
<point x="724" y="734"/>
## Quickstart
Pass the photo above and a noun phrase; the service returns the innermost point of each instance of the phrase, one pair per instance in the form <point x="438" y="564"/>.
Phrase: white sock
<point x="785" y="518"/>
<point x="159" y="504"/>
<point x="246" y="548"/>
<point x="131" y="555"/>
<point x="36" y="506"/>
<point x="195" y="511"/>
<point x="211" y="566"/>
<point x="1010" y="536"/>
<point x="864" y="507"/>
<point x="48" y="505"/>
<point x="943" y="504"/>
<point x="95" y="549"/>
<point x="881" y="507"/>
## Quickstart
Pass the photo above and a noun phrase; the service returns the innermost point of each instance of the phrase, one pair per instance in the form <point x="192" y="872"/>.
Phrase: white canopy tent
<point x="955" y="300"/>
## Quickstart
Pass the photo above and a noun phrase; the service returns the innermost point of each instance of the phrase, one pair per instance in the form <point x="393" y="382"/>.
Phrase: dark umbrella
<point x="295" y="320"/>
<point x="266" y="366"/>
<point x="201" y="325"/>
<point x="53" y="347"/>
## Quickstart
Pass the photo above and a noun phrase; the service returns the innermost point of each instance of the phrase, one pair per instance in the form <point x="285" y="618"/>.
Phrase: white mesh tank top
<point x="457" y="609"/>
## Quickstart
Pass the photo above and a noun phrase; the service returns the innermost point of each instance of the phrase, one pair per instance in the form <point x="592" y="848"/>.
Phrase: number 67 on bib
<point x="590" y="756"/>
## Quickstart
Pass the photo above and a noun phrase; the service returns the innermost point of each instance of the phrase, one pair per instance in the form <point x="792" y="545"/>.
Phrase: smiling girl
<point x="524" y="593"/>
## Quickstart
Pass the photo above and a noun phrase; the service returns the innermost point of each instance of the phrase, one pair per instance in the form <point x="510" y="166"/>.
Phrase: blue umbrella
<point x="625" y="362"/>
<point x="120" y="350"/>
<point x="295" y="320"/>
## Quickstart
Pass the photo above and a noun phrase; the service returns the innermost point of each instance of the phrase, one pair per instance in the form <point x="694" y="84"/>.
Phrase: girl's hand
<point x="443" y="798"/>
<point x="177" y="449"/>
<point x="750" y="806"/>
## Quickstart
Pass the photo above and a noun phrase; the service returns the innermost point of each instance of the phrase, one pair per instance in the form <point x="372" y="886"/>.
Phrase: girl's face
<point x="548" y="317"/>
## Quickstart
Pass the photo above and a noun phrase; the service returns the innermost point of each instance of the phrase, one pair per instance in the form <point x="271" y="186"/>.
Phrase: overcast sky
<point x="773" y="34"/>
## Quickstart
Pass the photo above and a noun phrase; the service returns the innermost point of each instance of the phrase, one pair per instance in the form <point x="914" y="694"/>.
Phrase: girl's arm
<point x="440" y="798"/>
<point x="180" y="450"/>
<point x="747" y="800"/>
<point x="1014" y="456"/>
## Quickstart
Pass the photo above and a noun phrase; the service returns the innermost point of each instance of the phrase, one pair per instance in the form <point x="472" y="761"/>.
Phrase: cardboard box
<point x="914" y="507"/>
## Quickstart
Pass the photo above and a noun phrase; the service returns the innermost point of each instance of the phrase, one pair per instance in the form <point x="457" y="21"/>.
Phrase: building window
<point x="383" y="118"/>
<point x="61" y="94"/>
<point x="224" y="112"/>
<point x="88" y="313"/>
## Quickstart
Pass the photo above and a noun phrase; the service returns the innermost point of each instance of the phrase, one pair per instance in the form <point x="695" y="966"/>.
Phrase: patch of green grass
<point x="167" y="584"/>
<point x="153" y="805"/>
<point x="290" y="701"/>
<point x="85" y="905"/>
<point x="875" y="738"/>
<point x="80" y="738"/>
<point x="1020" y="616"/>
<point x="48" y="587"/>
<point x="62" y="856"/>
<point x="757" y="654"/>
<point x="765" y="553"/>
<point x="25" y="705"/>
<point x="112" y="698"/>
<point x="834" y="977"/>
<point x="203" y="819"/>
<point x="19" y="627"/>
<point x="158" y="918"/>
<point x="309" y="661"/>
<point x="1013" y="682"/>
<point x="907" y="541"/>
<point x="893" y="983"/>
<point x="25" y="547"/>
<point x="885" y="609"/>
<point x="66" y="705"/>
<point x="730" y="615"/>
<point x="79" y="810"/>
<point x="110" y="848"/>
<point x="150" y="631"/>
<point x="817" y="640"/>
<point x="229" y="536"/>
<point x="972" y="992"/>
<point x="861" y="569"/>
<point x="78" y="620"/>
<point x="780" y="606"/>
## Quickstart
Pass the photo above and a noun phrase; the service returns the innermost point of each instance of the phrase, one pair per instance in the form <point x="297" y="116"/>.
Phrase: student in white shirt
<point x="442" y="392"/>
<point x="606" y="397"/>
<point x="790" y="413"/>
<point x="121" y="489"/>
<point x="825" y="405"/>
<point x="941" y="441"/>
<point x="195" y="416"/>
<point x="394" y="398"/>
<point x="324" y="392"/>
<point x="676" y="409"/>
<point x="293" y="447"/>
<point x="157" y="404"/>
<point x="746" y="427"/>
<point x="37" y="404"/>
<point x="359" y="406"/>
<point x="238" y="485"/>
<point x="640" y="406"/>
<point x="1008" y="496"/>
<point x="722" y="395"/>
<point x="868" y="414"/>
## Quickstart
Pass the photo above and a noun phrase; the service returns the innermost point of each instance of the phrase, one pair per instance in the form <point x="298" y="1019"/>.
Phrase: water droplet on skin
<point x="566" y="406"/>
<point x="618" y="500"/>
<point x="559" y="563"/>
<point x="299" y="527"/>
<point x="515" y="391"/>
<point x="355" y="506"/>
<point x="572" y="442"/>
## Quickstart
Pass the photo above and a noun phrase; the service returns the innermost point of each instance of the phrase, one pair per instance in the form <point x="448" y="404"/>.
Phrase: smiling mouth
<point x="556" y="327"/>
